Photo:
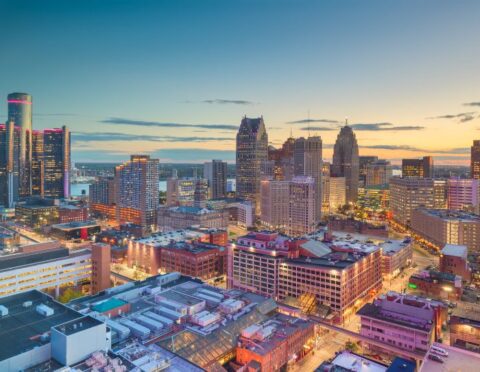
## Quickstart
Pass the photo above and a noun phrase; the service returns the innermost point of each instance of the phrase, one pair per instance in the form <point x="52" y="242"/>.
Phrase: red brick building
<point x="101" y="257"/>
<point x="72" y="213"/>
<point x="453" y="260"/>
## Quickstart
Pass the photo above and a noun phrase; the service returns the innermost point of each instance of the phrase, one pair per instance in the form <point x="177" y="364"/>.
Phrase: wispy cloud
<point x="306" y="121"/>
<point x="462" y="117"/>
<point x="115" y="136"/>
<point x="54" y="114"/>
<point x="373" y="127"/>
<point x="222" y="101"/>
<point x="457" y="150"/>
<point x="474" y="104"/>
<point x="142" y="123"/>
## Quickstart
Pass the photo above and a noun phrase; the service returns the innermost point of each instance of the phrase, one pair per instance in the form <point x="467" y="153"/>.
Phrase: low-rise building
<point x="441" y="227"/>
<point x="37" y="212"/>
<point x="458" y="360"/>
<point x="465" y="326"/>
<point x="184" y="217"/>
<point x="75" y="230"/>
<point x="436" y="284"/>
<point x="406" y="321"/>
<point x="454" y="260"/>
<point x="396" y="256"/>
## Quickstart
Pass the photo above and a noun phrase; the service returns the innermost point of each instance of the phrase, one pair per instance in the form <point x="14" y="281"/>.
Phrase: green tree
<point x="69" y="294"/>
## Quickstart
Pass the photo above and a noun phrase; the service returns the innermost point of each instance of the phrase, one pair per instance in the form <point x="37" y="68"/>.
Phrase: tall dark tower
<point x="252" y="152"/>
<point x="56" y="157"/>
<point x="20" y="112"/>
<point x="345" y="161"/>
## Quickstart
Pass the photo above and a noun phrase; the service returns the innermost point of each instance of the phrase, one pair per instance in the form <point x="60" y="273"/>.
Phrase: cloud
<point x="141" y="123"/>
<point x="385" y="127"/>
<point x="305" y="121"/>
<point x="457" y="150"/>
<point x="462" y="117"/>
<point x="472" y="104"/>
<point x="115" y="136"/>
<point x="221" y="101"/>
<point x="371" y="127"/>
<point x="54" y="114"/>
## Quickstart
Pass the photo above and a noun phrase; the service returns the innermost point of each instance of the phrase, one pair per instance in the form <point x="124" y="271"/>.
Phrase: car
<point x="435" y="358"/>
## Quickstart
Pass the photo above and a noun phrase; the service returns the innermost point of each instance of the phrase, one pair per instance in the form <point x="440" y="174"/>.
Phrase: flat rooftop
<point x="447" y="214"/>
<point x="74" y="225"/>
<point x="457" y="360"/>
<point x="468" y="311"/>
<point x="334" y="260"/>
<point x="12" y="261"/>
<point x="163" y="239"/>
<point x="347" y="361"/>
<point x="22" y="328"/>
<point x="455" y="250"/>
<point x="77" y="325"/>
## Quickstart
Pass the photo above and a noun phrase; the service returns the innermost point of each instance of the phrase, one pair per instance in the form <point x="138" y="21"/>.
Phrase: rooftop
<point x="455" y="250"/>
<point x="457" y="360"/>
<point x="163" y="239"/>
<point x="334" y="260"/>
<point x="469" y="311"/>
<point x="350" y="362"/>
<point x="74" y="225"/>
<point x="451" y="215"/>
<point x="77" y="325"/>
<point x="23" y="327"/>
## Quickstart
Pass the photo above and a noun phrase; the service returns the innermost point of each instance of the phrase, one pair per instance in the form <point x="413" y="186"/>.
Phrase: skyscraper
<point x="378" y="173"/>
<point x="302" y="208"/>
<point x="216" y="174"/>
<point x="345" y="161"/>
<point x="9" y="163"/>
<point x="475" y="160"/>
<point x="422" y="167"/>
<point x="275" y="196"/>
<point x="200" y="195"/>
<point x="38" y="164"/>
<point x="252" y="151"/>
<point x="56" y="156"/>
<point x="137" y="191"/>
<point x="20" y="112"/>
<point x="307" y="158"/>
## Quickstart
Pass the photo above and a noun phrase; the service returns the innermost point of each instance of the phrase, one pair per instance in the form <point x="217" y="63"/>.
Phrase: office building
<point x="216" y="174"/>
<point x="396" y="256"/>
<point x="422" y="168"/>
<point x="337" y="193"/>
<point x="409" y="194"/>
<point x="307" y="158"/>
<point x="436" y="284"/>
<point x="44" y="269"/>
<point x="251" y="152"/>
<point x="302" y="210"/>
<point x="363" y="162"/>
<point x="37" y="212"/>
<point x="325" y="188"/>
<point x="275" y="204"/>
<point x="475" y="160"/>
<point x="38" y="164"/>
<point x="277" y="266"/>
<point x="463" y="194"/>
<point x="56" y="157"/>
<point x="137" y="191"/>
<point x="180" y="191"/>
<point x="378" y="174"/>
<point x="9" y="164"/>
<point x="175" y="218"/>
<point x="345" y="162"/>
<point x="440" y="227"/>
<point x="409" y="322"/>
<point x="20" y="112"/>
<point x="200" y="194"/>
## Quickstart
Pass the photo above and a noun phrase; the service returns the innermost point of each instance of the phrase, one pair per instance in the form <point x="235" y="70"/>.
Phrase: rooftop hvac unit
<point x="27" y="304"/>
<point x="3" y="310"/>
<point x="44" y="310"/>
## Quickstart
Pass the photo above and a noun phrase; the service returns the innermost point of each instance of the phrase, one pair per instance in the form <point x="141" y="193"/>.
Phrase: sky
<point x="174" y="78"/>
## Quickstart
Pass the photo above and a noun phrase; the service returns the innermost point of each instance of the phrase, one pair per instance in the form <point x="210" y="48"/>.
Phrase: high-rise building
<point x="325" y="188"/>
<point x="422" y="168"/>
<point x="9" y="164"/>
<point x="274" y="204"/>
<point x="101" y="257"/>
<point x="137" y="191"/>
<point x="337" y="193"/>
<point x="252" y="150"/>
<point x="56" y="156"/>
<point x="102" y="197"/>
<point x="307" y="158"/>
<point x="216" y="174"/>
<point x="20" y="112"/>
<point x="38" y="164"/>
<point x="463" y="194"/>
<point x="345" y="161"/>
<point x="378" y="173"/>
<point x="302" y="208"/>
<point x="475" y="160"/>
<point x="409" y="194"/>
<point x="363" y="162"/>
<point x="200" y="195"/>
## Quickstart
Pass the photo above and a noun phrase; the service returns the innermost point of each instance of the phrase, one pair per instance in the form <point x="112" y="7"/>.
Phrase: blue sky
<point x="174" y="78"/>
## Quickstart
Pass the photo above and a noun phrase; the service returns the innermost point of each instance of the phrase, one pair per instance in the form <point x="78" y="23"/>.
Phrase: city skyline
<point x="123" y="84"/>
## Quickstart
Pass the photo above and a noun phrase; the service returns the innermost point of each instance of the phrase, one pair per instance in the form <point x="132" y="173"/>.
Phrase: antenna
<point x="346" y="121"/>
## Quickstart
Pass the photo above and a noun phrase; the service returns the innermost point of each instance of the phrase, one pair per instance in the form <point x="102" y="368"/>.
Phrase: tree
<point x="69" y="294"/>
